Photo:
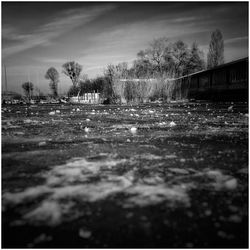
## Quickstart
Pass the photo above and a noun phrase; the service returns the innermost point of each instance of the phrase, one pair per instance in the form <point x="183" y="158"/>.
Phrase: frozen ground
<point x="155" y="175"/>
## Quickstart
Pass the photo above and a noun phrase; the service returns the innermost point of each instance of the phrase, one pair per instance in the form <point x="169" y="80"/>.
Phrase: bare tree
<point x="122" y="70"/>
<point x="53" y="75"/>
<point x="196" y="61"/>
<point x="110" y="75"/>
<point x="215" y="55"/>
<point x="73" y="70"/>
<point x="84" y="77"/>
<point x="156" y="53"/>
<point x="28" y="88"/>
<point x="180" y="56"/>
<point x="142" y="68"/>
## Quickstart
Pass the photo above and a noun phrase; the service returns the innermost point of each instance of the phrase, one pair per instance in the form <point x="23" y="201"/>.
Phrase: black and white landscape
<point x="124" y="125"/>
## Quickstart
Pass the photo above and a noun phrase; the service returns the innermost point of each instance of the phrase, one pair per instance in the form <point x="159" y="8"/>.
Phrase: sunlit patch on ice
<point x="97" y="178"/>
<point x="144" y="195"/>
<point x="27" y="195"/>
<point x="40" y="239"/>
<point x="49" y="211"/>
<point x="222" y="181"/>
<point x="148" y="156"/>
<point x="79" y="169"/>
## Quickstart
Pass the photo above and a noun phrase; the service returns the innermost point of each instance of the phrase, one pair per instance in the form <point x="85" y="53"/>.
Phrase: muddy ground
<point x="153" y="175"/>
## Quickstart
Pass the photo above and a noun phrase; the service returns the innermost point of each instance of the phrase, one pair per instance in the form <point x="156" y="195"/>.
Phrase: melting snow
<point x="149" y="156"/>
<point x="178" y="170"/>
<point x="172" y="124"/>
<point x="133" y="130"/>
<point x="49" y="212"/>
<point x="231" y="184"/>
<point x="86" y="129"/>
<point x="222" y="181"/>
<point x="27" y="195"/>
<point x="83" y="233"/>
<point x="145" y="195"/>
<point x="65" y="184"/>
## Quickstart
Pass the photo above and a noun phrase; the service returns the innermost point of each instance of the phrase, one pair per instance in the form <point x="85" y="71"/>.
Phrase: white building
<point x="88" y="98"/>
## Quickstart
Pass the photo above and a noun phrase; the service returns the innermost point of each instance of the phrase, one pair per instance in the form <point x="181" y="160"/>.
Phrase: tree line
<point x="162" y="59"/>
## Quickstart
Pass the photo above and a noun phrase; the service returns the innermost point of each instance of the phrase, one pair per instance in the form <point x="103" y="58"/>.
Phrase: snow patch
<point x="68" y="184"/>
<point x="172" y="124"/>
<point x="222" y="181"/>
<point x="149" y="156"/>
<point x="65" y="182"/>
<point x="27" y="195"/>
<point x="144" y="195"/>
<point x="133" y="130"/>
<point x="84" y="233"/>
<point x="49" y="212"/>
<point x="178" y="170"/>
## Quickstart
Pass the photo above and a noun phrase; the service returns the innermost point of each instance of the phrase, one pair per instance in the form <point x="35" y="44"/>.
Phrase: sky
<point x="40" y="35"/>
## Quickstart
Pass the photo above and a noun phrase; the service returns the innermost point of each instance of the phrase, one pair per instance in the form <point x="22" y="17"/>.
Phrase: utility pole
<point x="6" y="88"/>
<point x="59" y="88"/>
<point x="29" y="83"/>
<point x="37" y="75"/>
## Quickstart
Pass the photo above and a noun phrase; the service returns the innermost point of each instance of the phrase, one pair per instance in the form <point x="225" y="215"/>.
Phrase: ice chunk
<point x="133" y="130"/>
<point x="87" y="130"/>
<point x="235" y="218"/>
<point x="27" y="121"/>
<point x="149" y="156"/>
<point x="172" y="124"/>
<point x="178" y="170"/>
<point x="42" y="143"/>
<point x="231" y="184"/>
<point x="84" y="233"/>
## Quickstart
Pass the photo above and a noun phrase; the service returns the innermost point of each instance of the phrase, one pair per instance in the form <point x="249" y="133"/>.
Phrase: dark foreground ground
<point x="180" y="180"/>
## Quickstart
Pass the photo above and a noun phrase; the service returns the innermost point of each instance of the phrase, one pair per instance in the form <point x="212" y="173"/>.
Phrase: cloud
<point x="236" y="39"/>
<point x="51" y="60"/>
<point x="7" y="31"/>
<point x="67" y="21"/>
<point x="123" y="41"/>
<point x="126" y="40"/>
<point x="184" y="19"/>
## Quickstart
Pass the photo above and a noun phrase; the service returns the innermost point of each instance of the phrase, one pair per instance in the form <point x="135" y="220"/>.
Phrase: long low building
<point x="228" y="81"/>
<point x="87" y="98"/>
